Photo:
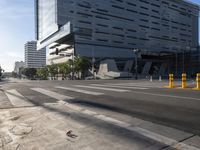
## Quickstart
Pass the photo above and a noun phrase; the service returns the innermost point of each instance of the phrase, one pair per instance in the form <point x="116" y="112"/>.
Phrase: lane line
<point x="79" y="90"/>
<point x="102" y="88"/>
<point x="164" y="95"/>
<point x="134" y="84"/>
<point x="52" y="94"/>
<point x="128" y="87"/>
<point x="17" y="99"/>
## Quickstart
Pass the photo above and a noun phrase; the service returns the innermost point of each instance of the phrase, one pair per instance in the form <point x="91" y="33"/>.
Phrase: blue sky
<point x="17" y="27"/>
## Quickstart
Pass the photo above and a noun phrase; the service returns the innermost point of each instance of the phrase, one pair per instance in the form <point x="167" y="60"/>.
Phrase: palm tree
<point x="43" y="73"/>
<point x="72" y="68"/>
<point x="81" y="65"/>
<point x="64" y="69"/>
<point x="53" y="70"/>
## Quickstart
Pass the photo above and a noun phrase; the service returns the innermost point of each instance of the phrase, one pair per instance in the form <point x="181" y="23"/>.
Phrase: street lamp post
<point x="176" y="63"/>
<point x="73" y="65"/>
<point x="136" y="51"/>
<point x="73" y="55"/>
<point x="93" y="63"/>
<point x="183" y="61"/>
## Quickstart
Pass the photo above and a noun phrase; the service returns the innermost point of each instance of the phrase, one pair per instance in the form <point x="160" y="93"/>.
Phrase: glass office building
<point x="112" y="28"/>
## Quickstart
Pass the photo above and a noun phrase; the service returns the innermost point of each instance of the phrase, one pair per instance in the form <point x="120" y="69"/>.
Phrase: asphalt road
<point x="146" y="100"/>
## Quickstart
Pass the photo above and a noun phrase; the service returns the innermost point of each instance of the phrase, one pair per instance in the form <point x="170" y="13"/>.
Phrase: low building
<point x="18" y="65"/>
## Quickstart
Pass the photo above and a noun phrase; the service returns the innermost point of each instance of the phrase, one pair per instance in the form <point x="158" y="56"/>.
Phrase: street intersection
<point x="111" y="114"/>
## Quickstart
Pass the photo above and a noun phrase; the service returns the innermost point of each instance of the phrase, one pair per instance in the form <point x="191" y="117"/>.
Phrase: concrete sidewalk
<point x="45" y="128"/>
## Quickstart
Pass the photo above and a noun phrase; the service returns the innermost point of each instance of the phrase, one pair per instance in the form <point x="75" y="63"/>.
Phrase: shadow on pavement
<point x="153" y="112"/>
<point x="103" y="127"/>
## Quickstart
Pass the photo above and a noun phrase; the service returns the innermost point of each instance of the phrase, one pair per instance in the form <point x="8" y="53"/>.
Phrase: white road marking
<point x="17" y="99"/>
<point x="52" y="94"/>
<point x="162" y="139"/>
<point x="118" y="86"/>
<point x="113" y="121"/>
<point x="74" y="107"/>
<point x="164" y="95"/>
<point x="140" y="131"/>
<point x="79" y="90"/>
<point x="183" y="146"/>
<point x="88" y="112"/>
<point x="134" y="84"/>
<point x="102" y="88"/>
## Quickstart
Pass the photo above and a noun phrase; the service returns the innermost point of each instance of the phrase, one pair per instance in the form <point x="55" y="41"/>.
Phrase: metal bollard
<point x="184" y="80"/>
<point x="151" y="79"/>
<point x="198" y="81"/>
<point x="160" y="78"/>
<point x="171" y="81"/>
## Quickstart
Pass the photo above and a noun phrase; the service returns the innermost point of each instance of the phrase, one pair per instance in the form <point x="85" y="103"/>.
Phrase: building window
<point x="143" y="26"/>
<point x="130" y="10"/>
<point x="130" y="3"/>
<point x="118" y="42"/>
<point x="119" y="35"/>
<point x="85" y="22"/>
<point x="100" y="17"/>
<point x="118" y="7"/>
<point x="145" y="8"/>
<point x="102" y="25"/>
<point x="144" y="20"/>
<point x="144" y="14"/>
<point x="152" y="4"/>
<point x="118" y="28"/>
<point x="144" y="1"/>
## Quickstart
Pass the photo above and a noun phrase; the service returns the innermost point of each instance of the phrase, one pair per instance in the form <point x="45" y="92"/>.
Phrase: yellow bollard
<point x="184" y="80"/>
<point x="171" y="81"/>
<point x="198" y="82"/>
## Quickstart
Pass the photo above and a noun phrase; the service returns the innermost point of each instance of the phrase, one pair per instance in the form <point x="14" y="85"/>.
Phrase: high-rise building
<point x="113" y="28"/>
<point x="34" y="58"/>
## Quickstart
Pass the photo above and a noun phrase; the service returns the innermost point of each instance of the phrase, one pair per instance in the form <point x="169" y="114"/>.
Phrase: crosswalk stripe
<point x="124" y="87"/>
<point x="102" y="88"/>
<point x="134" y="84"/>
<point x="17" y="99"/>
<point x="52" y="94"/>
<point x="79" y="90"/>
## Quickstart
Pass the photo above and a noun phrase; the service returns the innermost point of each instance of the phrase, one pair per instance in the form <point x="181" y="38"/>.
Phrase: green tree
<point x="53" y="70"/>
<point x="1" y="72"/>
<point x="14" y="74"/>
<point x="30" y="73"/>
<point x="42" y="73"/>
<point x="81" y="65"/>
<point x="64" y="69"/>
